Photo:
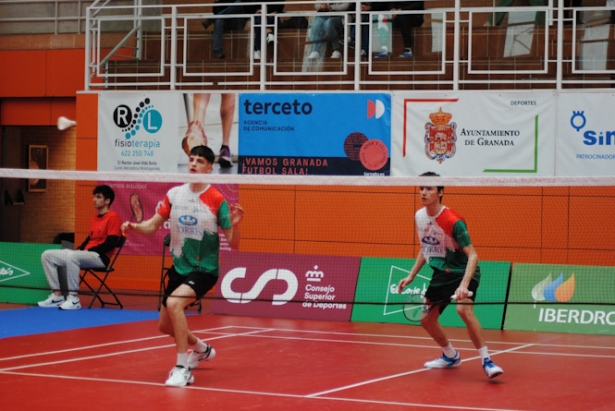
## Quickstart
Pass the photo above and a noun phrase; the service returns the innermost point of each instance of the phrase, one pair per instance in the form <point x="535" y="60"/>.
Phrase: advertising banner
<point x="138" y="132"/>
<point x="139" y="201"/>
<point x="586" y="135"/>
<point x="22" y="279"/>
<point x="286" y="286"/>
<point x="377" y="299"/>
<point x="153" y="132"/>
<point x="311" y="134"/>
<point x="473" y="134"/>
<point x="562" y="298"/>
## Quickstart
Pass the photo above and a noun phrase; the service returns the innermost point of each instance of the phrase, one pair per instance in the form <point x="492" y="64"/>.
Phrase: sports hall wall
<point x="557" y="225"/>
<point x="552" y="225"/>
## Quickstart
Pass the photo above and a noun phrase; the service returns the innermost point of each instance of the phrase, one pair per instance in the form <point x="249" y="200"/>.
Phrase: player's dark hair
<point x="106" y="191"/>
<point x="205" y="152"/>
<point x="432" y="174"/>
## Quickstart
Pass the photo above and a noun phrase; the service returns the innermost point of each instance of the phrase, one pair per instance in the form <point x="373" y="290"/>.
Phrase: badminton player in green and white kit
<point x="446" y="247"/>
<point x="195" y="211"/>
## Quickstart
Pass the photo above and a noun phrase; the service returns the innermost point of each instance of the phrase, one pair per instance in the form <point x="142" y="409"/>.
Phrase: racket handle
<point x="470" y="294"/>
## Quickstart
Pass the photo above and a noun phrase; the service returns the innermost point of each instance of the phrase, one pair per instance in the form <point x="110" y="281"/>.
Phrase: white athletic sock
<point x="484" y="352"/>
<point x="182" y="359"/>
<point x="200" y="346"/>
<point x="449" y="351"/>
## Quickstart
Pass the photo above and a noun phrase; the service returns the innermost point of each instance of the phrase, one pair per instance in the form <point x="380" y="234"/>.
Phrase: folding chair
<point x="101" y="275"/>
<point x="164" y="273"/>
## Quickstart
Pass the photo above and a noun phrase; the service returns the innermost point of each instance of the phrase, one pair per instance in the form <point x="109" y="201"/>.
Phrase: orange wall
<point x="534" y="225"/>
<point x="42" y="73"/>
<point x="40" y="111"/>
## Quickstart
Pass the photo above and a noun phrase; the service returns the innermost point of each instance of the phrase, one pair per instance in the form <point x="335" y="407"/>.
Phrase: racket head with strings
<point x="136" y="207"/>
<point x="414" y="308"/>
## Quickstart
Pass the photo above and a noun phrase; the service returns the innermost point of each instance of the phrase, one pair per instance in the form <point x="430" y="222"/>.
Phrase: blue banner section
<point x="344" y="134"/>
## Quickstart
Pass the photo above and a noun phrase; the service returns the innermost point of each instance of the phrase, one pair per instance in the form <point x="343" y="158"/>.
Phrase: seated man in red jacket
<point x="95" y="252"/>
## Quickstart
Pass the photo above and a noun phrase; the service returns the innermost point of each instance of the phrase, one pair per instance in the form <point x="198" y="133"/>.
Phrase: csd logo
<point x="274" y="274"/>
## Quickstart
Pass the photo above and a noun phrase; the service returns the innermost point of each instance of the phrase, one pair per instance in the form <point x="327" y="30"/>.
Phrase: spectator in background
<point x="273" y="8"/>
<point x="326" y="28"/>
<point x="94" y="252"/>
<point x="239" y="7"/>
<point x="406" y="24"/>
<point x="568" y="13"/>
<point x="611" y="3"/>
<point x="365" y="24"/>
<point x="499" y="16"/>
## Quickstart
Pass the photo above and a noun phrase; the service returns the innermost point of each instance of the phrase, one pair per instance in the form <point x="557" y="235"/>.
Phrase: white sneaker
<point x="195" y="357"/>
<point x="179" y="377"/>
<point x="52" y="301"/>
<point x="257" y="54"/>
<point x="270" y="38"/>
<point x="72" y="303"/>
<point x="314" y="55"/>
<point x="444" y="362"/>
<point x="336" y="54"/>
<point x="491" y="369"/>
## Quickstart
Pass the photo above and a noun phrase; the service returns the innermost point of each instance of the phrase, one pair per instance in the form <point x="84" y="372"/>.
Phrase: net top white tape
<point x="307" y="180"/>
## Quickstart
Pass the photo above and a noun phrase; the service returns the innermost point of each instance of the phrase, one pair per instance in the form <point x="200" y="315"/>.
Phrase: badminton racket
<point x="136" y="207"/>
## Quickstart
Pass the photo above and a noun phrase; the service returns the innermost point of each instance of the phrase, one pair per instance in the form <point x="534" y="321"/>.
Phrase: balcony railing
<point x="458" y="47"/>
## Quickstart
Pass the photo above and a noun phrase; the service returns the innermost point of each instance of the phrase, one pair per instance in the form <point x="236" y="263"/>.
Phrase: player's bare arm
<point x="148" y="227"/>
<point x="462" y="291"/>
<point x="232" y="234"/>
<point x="418" y="264"/>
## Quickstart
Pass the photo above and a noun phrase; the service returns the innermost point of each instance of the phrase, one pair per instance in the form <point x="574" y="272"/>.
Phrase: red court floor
<point x="273" y="364"/>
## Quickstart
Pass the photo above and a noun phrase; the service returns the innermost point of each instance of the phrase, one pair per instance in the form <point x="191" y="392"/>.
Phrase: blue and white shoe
<point x="383" y="55"/>
<point x="491" y="369"/>
<point x="444" y="362"/>
<point x="407" y="54"/>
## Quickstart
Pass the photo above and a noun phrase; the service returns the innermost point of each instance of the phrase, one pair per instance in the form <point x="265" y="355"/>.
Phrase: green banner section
<point x="562" y="298"/>
<point x="22" y="280"/>
<point x="377" y="300"/>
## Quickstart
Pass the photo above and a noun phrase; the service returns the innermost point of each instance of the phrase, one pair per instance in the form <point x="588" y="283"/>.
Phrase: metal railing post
<point x="456" y="44"/>
<point x="173" y="56"/>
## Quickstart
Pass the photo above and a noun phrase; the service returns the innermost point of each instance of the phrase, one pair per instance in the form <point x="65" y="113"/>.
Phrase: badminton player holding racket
<point x="446" y="247"/>
<point x="195" y="211"/>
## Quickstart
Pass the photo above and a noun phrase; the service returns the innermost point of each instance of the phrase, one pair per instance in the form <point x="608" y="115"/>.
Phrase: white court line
<point x="261" y="330"/>
<point x="411" y="337"/>
<point x="326" y="340"/>
<point x="92" y="357"/>
<point x="403" y="374"/>
<point x="611" y="357"/>
<point x="263" y="393"/>
<point x="258" y="332"/>
<point x="92" y="347"/>
<point x="431" y="345"/>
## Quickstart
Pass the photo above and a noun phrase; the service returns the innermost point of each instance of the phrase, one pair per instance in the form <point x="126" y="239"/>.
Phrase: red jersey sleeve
<point x="165" y="208"/>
